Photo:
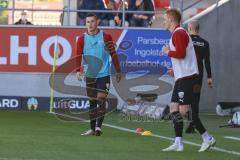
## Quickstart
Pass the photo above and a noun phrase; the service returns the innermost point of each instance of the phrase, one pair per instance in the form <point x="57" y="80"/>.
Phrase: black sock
<point x="100" y="121"/>
<point x="188" y="116"/>
<point x="93" y="114"/>
<point x="101" y="111"/>
<point x="198" y="125"/>
<point x="178" y="123"/>
<point x="191" y="124"/>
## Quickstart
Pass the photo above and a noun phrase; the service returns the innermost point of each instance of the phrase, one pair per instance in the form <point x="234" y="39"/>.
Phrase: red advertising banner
<point x="31" y="49"/>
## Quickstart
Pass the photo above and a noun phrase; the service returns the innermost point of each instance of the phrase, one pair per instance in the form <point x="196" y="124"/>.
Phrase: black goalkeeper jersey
<point x="202" y="50"/>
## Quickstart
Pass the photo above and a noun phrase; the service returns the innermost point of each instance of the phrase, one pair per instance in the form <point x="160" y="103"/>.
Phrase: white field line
<point x="233" y="138"/>
<point x="158" y="136"/>
<point x="16" y="159"/>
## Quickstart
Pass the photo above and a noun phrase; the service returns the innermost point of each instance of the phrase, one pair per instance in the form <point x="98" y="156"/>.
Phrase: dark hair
<point x="92" y="15"/>
<point x="175" y="14"/>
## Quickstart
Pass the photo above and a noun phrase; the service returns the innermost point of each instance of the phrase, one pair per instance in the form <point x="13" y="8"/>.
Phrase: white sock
<point x="206" y="137"/>
<point x="178" y="140"/>
<point x="97" y="129"/>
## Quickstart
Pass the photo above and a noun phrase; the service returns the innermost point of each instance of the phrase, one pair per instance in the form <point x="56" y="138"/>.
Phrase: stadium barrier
<point x="75" y="104"/>
<point x="29" y="51"/>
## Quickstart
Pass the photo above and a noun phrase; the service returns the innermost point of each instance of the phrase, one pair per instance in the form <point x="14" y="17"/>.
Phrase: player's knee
<point x="101" y="110"/>
<point x="93" y="108"/>
<point x="184" y="114"/>
<point x="93" y="103"/>
<point x="185" y="111"/>
<point x="91" y="95"/>
<point x="174" y="107"/>
<point x="91" y="92"/>
<point x="101" y="101"/>
<point x="93" y="113"/>
<point x="176" y="117"/>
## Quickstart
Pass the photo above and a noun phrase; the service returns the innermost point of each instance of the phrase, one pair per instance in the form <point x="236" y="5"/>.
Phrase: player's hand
<point x="118" y="77"/>
<point x="80" y="76"/>
<point x="170" y="72"/>
<point x="166" y="49"/>
<point x="210" y="82"/>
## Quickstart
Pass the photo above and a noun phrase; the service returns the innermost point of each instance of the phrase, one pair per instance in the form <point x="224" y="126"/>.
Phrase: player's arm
<point x="207" y="64"/>
<point x="79" y="53"/>
<point x="112" y="51"/>
<point x="180" y="40"/>
<point x="207" y="61"/>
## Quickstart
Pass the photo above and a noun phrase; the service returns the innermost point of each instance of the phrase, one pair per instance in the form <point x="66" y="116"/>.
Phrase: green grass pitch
<point x="41" y="136"/>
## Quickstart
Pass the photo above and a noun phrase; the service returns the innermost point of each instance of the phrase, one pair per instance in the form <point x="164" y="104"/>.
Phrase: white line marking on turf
<point x="172" y="139"/>
<point x="15" y="159"/>
<point x="233" y="138"/>
<point x="157" y="136"/>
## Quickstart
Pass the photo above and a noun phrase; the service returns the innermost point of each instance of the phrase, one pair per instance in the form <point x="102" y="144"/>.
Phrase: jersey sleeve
<point x="79" y="53"/>
<point x="112" y="51"/>
<point x="207" y="63"/>
<point x="180" y="40"/>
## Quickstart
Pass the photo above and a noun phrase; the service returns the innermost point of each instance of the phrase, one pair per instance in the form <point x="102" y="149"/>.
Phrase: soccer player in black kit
<point x="202" y="50"/>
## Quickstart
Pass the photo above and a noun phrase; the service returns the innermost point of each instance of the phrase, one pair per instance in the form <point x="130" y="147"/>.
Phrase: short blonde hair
<point x="175" y="14"/>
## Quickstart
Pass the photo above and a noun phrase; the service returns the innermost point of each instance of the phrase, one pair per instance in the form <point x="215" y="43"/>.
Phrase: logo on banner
<point x="71" y="104"/>
<point x="9" y="103"/>
<point x="32" y="104"/>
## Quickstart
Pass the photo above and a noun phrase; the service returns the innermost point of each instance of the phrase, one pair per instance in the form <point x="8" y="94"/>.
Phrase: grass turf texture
<point x="41" y="136"/>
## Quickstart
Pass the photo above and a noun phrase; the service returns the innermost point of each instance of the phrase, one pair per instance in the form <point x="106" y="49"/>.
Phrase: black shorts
<point x="184" y="90"/>
<point x="98" y="84"/>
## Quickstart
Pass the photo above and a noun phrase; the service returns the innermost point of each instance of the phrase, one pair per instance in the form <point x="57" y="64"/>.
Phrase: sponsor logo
<point x="9" y="103"/>
<point x="200" y="44"/>
<point x="32" y="104"/>
<point x="181" y="96"/>
<point x="71" y="104"/>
